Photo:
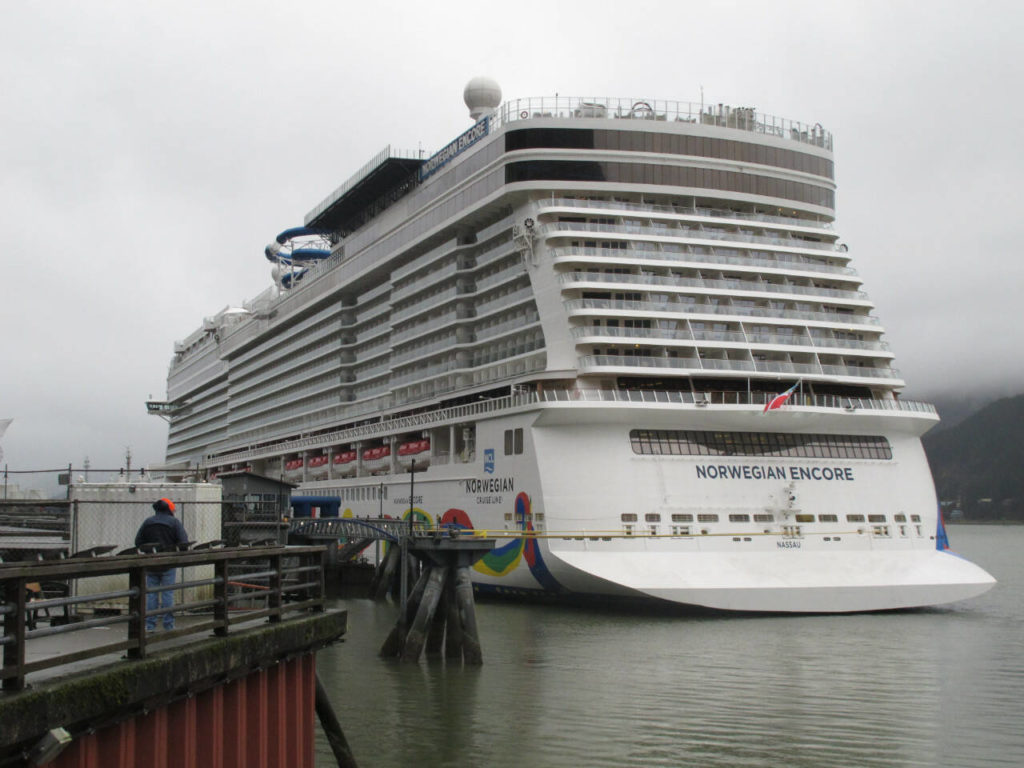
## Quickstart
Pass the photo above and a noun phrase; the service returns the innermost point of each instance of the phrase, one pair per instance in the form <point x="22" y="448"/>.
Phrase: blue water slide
<point x="290" y="278"/>
<point x="274" y="251"/>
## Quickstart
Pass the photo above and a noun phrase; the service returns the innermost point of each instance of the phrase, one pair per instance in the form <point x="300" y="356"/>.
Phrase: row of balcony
<point x="727" y="337"/>
<point x="750" y="286"/>
<point x="559" y="228"/>
<point x="547" y="204"/>
<point x="588" y="363"/>
<point x="576" y="306"/>
<point x="632" y="255"/>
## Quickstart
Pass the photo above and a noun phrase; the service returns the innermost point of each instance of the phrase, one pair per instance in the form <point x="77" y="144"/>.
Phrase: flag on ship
<point x="779" y="400"/>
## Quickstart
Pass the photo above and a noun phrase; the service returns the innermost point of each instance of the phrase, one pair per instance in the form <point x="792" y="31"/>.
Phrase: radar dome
<point x="482" y="94"/>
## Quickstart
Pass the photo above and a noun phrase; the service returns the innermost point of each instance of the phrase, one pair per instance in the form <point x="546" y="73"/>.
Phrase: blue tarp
<point x="302" y="506"/>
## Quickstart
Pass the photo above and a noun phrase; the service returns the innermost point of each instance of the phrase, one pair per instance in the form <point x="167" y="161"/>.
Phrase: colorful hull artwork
<point x="503" y="560"/>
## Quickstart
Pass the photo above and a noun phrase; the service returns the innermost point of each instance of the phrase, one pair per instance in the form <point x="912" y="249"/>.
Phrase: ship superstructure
<point x="569" y="321"/>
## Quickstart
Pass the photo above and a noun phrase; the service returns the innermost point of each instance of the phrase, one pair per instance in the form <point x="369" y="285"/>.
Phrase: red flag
<point x="779" y="400"/>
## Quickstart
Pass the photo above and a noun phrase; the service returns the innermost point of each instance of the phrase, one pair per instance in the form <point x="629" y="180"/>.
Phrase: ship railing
<point x="721" y="397"/>
<point x="527" y="320"/>
<point x="785" y="261"/>
<point x="725" y="364"/>
<point x="573" y="305"/>
<point x="657" y="110"/>
<point x="528" y="397"/>
<point x="716" y="213"/>
<point x="688" y="233"/>
<point x="820" y="343"/>
<point x="751" y="286"/>
<point x="419" y="351"/>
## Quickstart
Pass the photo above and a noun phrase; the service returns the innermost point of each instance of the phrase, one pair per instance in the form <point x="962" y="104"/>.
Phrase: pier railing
<point x="245" y="584"/>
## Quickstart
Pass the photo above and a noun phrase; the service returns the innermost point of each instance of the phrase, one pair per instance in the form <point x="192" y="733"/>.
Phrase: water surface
<point x="574" y="687"/>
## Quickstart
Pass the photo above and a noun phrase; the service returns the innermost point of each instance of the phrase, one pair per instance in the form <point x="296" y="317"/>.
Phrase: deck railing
<point x="526" y="398"/>
<point x="272" y="582"/>
<point x="657" y="110"/>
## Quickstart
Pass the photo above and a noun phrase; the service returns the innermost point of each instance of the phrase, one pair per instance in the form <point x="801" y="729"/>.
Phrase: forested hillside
<point x="979" y="463"/>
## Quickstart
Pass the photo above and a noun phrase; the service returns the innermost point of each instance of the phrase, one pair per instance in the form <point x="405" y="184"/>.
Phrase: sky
<point x="149" y="151"/>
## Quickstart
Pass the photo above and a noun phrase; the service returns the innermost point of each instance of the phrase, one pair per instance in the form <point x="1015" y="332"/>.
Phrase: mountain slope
<point x="981" y="458"/>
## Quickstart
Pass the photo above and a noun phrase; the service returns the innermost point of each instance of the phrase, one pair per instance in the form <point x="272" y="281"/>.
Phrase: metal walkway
<point x="352" y="528"/>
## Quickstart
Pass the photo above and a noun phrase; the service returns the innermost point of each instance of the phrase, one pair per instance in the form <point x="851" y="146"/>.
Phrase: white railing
<point x="545" y="203"/>
<point x="529" y="398"/>
<point x="681" y="232"/>
<point x="789" y="262"/>
<point x="588" y="107"/>
<point x="752" y="286"/>
<point x="573" y="305"/>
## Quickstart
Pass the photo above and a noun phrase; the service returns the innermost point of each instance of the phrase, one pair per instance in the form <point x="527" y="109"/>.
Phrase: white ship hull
<point x="559" y="527"/>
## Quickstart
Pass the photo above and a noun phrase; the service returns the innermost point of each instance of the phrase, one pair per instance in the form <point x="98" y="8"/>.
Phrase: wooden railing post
<point x="137" y="613"/>
<point x="220" y="594"/>
<point x="321" y="594"/>
<point x="14" y="627"/>
<point x="276" y="583"/>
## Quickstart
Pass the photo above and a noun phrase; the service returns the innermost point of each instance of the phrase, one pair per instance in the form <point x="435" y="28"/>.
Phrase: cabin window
<point x="513" y="441"/>
<point x="682" y="518"/>
<point x="663" y="442"/>
<point x="628" y="517"/>
<point x="707" y="518"/>
<point x="855" y="518"/>
<point x="739" y="518"/>
<point x="804" y="518"/>
<point x="828" y="518"/>
<point x="876" y="518"/>
<point x="652" y="517"/>
<point x="764" y="518"/>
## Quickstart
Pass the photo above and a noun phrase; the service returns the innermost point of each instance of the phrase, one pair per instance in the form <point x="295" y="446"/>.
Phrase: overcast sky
<point x="150" y="150"/>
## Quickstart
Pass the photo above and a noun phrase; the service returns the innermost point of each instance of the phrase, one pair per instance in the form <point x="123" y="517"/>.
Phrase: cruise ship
<point x="619" y="335"/>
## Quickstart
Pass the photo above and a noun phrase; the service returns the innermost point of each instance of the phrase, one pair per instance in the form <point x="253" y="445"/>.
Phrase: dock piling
<point x="440" y="612"/>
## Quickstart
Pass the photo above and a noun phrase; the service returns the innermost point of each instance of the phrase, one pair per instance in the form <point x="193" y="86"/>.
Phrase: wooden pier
<point x="438" y="614"/>
<point x="234" y="685"/>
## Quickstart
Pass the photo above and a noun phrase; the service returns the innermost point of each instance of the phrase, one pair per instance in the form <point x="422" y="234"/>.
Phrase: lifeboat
<point x="377" y="460"/>
<point x="318" y="467"/>
<point x="418" y="450"/>
<point x="345" y="463"/>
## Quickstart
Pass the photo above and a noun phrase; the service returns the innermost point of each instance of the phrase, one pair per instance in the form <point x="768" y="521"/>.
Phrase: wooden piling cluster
<point x="439" y="615"/>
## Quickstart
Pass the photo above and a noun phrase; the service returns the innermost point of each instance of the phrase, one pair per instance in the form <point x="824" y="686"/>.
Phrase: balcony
<point x="615" y="206"/>
<point x="580" y="307"/>
<point x="784" y="261"/>
<point x="628" y="280"/>
<point x="626" y="230"/>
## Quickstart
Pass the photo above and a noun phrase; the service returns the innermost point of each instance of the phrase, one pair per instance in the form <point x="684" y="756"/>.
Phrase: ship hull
<point x="580" y="514"/>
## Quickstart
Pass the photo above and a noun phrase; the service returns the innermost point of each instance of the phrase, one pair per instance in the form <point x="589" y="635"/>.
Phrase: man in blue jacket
<point x="166" y="532"/>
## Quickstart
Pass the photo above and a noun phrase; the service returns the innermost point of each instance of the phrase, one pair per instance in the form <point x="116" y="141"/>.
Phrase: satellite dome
<point x="482" y="94"/>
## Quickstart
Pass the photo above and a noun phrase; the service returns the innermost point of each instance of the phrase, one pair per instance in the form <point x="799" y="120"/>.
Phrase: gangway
<point x="350" y="528"/>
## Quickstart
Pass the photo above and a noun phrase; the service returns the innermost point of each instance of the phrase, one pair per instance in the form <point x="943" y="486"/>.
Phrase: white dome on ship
<point x="481" y="94"/>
